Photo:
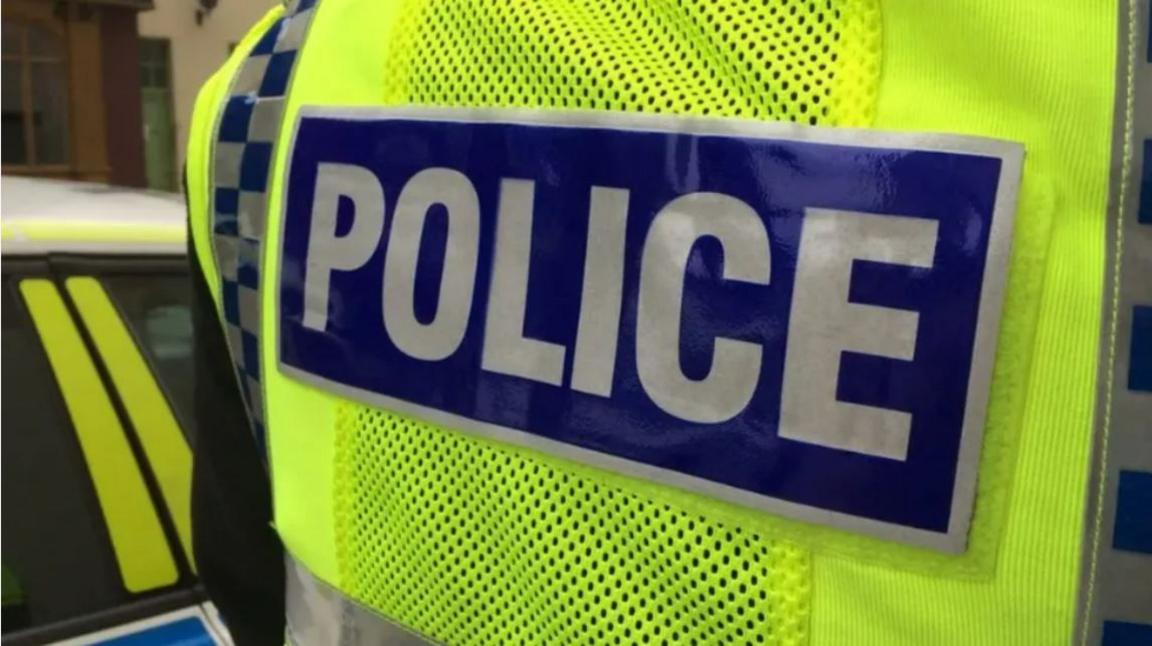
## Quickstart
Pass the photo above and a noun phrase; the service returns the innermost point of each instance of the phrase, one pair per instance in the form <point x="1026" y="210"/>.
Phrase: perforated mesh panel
<point x="473" y="542"/>
<point x="808" y="61"/>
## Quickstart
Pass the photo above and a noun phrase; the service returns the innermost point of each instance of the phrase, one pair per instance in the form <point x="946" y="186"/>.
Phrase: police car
<point x="97" y="403"/>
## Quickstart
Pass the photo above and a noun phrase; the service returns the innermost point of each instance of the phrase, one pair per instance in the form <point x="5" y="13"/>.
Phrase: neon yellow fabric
<point x="359" y="52"/>
<point x="353" y="32"/>
<point x="1041" y="73"/>
<point x="471" y="542"/>
<point x="133" y="526"/>
<point x="156" y="427"/>
<point x="198" y="173"/>
<point x="784" y="60"/>
<point x="475" y="28"/>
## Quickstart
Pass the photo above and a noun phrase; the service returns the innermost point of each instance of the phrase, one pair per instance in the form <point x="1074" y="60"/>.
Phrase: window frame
<point x="25" y="59"/>
<point x="160" y="45"/>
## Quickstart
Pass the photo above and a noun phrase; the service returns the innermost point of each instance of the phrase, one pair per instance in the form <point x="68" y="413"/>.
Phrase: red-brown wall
<point x="125" y="119"/>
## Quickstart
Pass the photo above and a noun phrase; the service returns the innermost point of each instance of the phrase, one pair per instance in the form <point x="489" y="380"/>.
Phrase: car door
<point x="97" y="397"/>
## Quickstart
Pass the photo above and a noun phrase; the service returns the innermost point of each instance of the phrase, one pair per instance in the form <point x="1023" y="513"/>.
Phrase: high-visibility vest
<point x="662" y="323"/>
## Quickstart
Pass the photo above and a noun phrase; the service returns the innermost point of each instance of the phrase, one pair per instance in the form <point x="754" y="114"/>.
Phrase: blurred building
<point x="71" y="98"/>
<point x="182" y="42"/>
<point x="102" y="90"/>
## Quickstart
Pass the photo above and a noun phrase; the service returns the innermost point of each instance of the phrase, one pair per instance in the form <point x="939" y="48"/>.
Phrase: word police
<point x="831" y="242"/>
<point x="798" y="319"/>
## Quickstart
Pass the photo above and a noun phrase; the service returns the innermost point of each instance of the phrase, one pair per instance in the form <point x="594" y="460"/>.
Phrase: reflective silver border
<point x="1116" y="585"/>
<point x="317" y="613"/>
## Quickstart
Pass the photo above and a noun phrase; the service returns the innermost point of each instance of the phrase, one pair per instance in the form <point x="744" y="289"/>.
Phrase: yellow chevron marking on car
<point x="151" y="415"/>
<point x="137" y="538"/>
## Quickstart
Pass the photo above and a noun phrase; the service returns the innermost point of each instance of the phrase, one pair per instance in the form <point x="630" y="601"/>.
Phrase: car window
<point x="56" y="551"/>
<point x="157" y="310"/>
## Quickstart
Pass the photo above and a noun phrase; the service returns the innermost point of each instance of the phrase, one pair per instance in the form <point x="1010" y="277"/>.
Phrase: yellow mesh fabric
<point x="808" y="61"/>
<point x="473" y="542"/>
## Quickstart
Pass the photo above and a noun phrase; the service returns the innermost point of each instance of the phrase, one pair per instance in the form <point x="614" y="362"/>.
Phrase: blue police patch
<point x="798" y="319"/>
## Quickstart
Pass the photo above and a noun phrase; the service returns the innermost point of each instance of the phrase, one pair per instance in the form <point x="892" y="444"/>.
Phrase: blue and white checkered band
<point x="245" y="141"/>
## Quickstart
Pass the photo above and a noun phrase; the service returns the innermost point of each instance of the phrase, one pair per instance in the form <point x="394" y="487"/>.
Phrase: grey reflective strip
<point x="319" y="614"/>
<point x="1116" y="592"/>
